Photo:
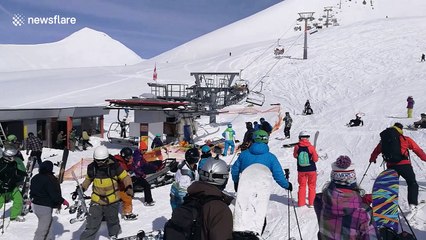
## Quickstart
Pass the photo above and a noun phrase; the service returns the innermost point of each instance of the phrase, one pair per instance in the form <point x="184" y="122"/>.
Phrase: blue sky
<point x="148" y="27"/>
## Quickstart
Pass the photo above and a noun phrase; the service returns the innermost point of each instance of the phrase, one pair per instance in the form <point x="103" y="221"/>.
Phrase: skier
<point x="410" y="106"/>
<point x="265" y="126"/>
<point x="123" y="129"/>
<point x="356" y="122"/>
<point x="422" y="122"/>
<point x="248" y="137"/>
<point x="125" y="159"/>
<point x="60" y="140"/>
<point x="157" y="145"/>
<point x="105" y="174"/>
<point x="185" y="175"/>
<point x="306" y="156"/>
<point x="217" y="217"/>
<point x="403" y="167"/>
<point x="12" y="171"/>
<point x="287" y="124"/>
<point x="205" y="154"/>
<point x="256" y="126"/>
<point x="259" y="153"/>
<point x="73" y="139"/>
<point x="423" y="58"/>
<point x="229" y="135"/>
<point x="141" y="169"/>
<point x="45" y="192"/>
<point x="86" y="139"/>
<point x="341" y="209"/>
<point x="308" y="109"/>
<point x="35" y="145"/>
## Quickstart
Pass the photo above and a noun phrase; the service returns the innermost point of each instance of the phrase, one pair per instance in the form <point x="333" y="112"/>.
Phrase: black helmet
<point x="126" y="152"/>
<point x="192" y="155"/>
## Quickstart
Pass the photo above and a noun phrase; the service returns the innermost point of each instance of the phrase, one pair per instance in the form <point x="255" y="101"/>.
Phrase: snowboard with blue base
<point x="385" y="200"/>
<point x="251" y="206"/>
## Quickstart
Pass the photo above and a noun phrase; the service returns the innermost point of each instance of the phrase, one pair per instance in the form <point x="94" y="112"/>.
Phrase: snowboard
<point x="385" y="200"/>
<point x="80" y="204"/>
<point x="26" y="207"/>
<point x="63" y="165"/>
<point x="141" y="235"/>
<point x="254" y="189"/>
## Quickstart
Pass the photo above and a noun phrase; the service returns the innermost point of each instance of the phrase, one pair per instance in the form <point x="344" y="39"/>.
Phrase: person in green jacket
<point x="12" y="171"/>
<point x="229" y="135"/>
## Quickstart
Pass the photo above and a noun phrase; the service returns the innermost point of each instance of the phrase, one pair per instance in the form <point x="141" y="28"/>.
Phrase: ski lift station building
<point x="46" y="123"/>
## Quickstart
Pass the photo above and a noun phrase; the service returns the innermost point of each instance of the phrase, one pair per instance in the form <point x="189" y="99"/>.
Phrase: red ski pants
<point x="302" y="179"/>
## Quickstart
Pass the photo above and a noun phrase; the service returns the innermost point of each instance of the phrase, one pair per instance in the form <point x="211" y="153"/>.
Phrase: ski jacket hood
<point x="258" y="148"/>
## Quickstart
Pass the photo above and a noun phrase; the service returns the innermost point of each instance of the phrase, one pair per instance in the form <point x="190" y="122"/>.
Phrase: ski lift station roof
<point x="146" y="104"/>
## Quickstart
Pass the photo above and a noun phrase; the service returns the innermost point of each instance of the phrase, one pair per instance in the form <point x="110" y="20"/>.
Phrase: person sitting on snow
<point x="422" y="122"/>
<point x="308" y="109"/>
<point x="356" y="122"/>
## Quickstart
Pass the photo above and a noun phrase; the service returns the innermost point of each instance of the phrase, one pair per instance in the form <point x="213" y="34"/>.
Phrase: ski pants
<point x="16" y="196"/>
<point x="146" y="187"/>
<point x="37" y="156"/>
<point x="287" y="132"/>
<point x="409" y="113"/>
<point x="229" y="143"/>
<point x="44" y="215"/>
<point x="94" y="220"/>
<point x="406" y="171"/>
<point x="127" y="206"/>
<point x="302" y="179"/>
<point x="176" y="197"/>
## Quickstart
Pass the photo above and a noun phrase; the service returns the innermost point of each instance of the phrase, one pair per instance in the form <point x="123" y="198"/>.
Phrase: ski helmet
<point x="262" y="120"/>
<point x="12" y="138"/>
<point x="126" y="153"/>
<point x="205" y="149"/>
<point x="192" y="155"/>
<point x="260" y="136"/>
<point x="304" y="134"/>
<point x="229" y="125"/>
<point x="215" y="172"/>
<point x="9" y="153"/>
<point x="100" y="153"/>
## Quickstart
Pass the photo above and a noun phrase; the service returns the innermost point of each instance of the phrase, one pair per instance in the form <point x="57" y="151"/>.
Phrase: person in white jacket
<point x="185" y="175"/>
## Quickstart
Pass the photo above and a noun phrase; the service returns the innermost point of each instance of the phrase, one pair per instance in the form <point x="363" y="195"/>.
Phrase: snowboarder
<point x="248" y="137"/>
<point x="308" y="109"/>
<point x="217" y="220"/>
<point x="125" y="159"/>
<point x="423" y="58"/>
<point x="141" y="168"/>
<point x="288" y="121"/>
<point x="229" y="135"/>
<point x="205" y="154"/>
<point x="403" y="167"/>
<point x="12" y="171"/>
<point x="185" y="175"/>
<point x="259" y="153"/>
<point x="422" y="122"/>
<point x="356" y="122"/>
<point x="410" y="106"/>
<point x="105" y="174"/>
<point x="265" y="126"/>
<point x="341" y="210"/>
<point x="60" y="140"/>
<point x="35" y="145"/>
<point x="306" y="156"/>
<point x="85" y="137"/>
<point x="45" y="192"/>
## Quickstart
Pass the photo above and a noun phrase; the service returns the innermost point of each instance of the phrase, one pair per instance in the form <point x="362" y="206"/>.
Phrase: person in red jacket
<point x="306" y="156"/>
<point x="403" y="167"/>
<point x="125" y="159"/>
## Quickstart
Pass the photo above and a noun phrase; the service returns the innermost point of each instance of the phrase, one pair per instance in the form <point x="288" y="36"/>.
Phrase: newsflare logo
<point x="19" y="20"/>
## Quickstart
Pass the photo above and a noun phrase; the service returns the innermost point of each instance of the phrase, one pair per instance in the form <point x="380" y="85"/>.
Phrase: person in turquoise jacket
<point x="259" y="153"/>
<point x="229" y="135"/>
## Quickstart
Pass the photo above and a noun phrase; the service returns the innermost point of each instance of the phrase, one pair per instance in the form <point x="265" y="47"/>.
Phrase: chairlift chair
<point x="279" y="50"/>
<point x="256" y="98"/>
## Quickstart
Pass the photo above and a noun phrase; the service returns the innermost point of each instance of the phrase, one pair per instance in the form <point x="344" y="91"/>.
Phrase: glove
<point x="290" y="187"/>
<point x="129" y="191"/>
<point x="372" y="160"/>
<point x="66" y="203"/>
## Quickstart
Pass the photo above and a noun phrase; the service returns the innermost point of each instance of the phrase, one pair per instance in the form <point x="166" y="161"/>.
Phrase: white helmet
<point x="100" y="153"/>
<point x="304" y="134"/>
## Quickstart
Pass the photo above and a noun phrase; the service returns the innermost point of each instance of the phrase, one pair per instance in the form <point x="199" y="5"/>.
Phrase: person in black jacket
<point x="45" y="193"/>
<point x="248" y="136"/>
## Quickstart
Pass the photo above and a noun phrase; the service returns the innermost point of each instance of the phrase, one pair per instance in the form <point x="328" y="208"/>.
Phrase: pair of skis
<point x="290" y="145"/>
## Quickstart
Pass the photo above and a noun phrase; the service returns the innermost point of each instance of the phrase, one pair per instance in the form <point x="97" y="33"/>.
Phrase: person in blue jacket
<point x="259" y="153"/>
<point x="205" y="154"/>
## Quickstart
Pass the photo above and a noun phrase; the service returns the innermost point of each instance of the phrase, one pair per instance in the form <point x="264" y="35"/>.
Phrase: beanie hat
<point x="398" y="125"/>
<point x="343" y="171"/>
<point x="46" y="167"/>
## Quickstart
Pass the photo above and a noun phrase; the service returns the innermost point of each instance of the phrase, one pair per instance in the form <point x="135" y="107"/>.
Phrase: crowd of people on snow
<point x="343" y="209"/>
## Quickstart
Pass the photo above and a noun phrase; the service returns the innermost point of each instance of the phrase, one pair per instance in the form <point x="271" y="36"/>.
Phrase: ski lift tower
<point x="305" y="16"/>
<point x="327" y="9"/>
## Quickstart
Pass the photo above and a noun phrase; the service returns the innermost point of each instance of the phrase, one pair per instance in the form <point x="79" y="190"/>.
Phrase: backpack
<point x="186" y="222"/>
<point x="391" y="145"/>
<point x="303" y="157"/>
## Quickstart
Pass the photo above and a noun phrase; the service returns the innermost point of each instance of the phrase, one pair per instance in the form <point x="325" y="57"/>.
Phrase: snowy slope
<point x="84" y="48"/>
<point x="363" y="65"/>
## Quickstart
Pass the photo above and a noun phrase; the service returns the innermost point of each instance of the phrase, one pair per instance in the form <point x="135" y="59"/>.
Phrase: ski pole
<point x="365" y="173"/>
<point x="4" y="213"/>
<point x="297" y="220"/>
<point x="287" y="174"/>
<point x="409" y="226"/>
